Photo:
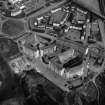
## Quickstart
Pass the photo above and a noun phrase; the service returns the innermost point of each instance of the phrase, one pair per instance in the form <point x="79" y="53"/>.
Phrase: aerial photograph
<point x="52" y="52"/>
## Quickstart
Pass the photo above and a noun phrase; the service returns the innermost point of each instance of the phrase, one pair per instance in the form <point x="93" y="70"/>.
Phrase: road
<point x="91" y="5"/>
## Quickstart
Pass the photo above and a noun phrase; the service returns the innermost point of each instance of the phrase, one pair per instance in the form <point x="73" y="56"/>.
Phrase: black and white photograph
<point x="52" y="52"/>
